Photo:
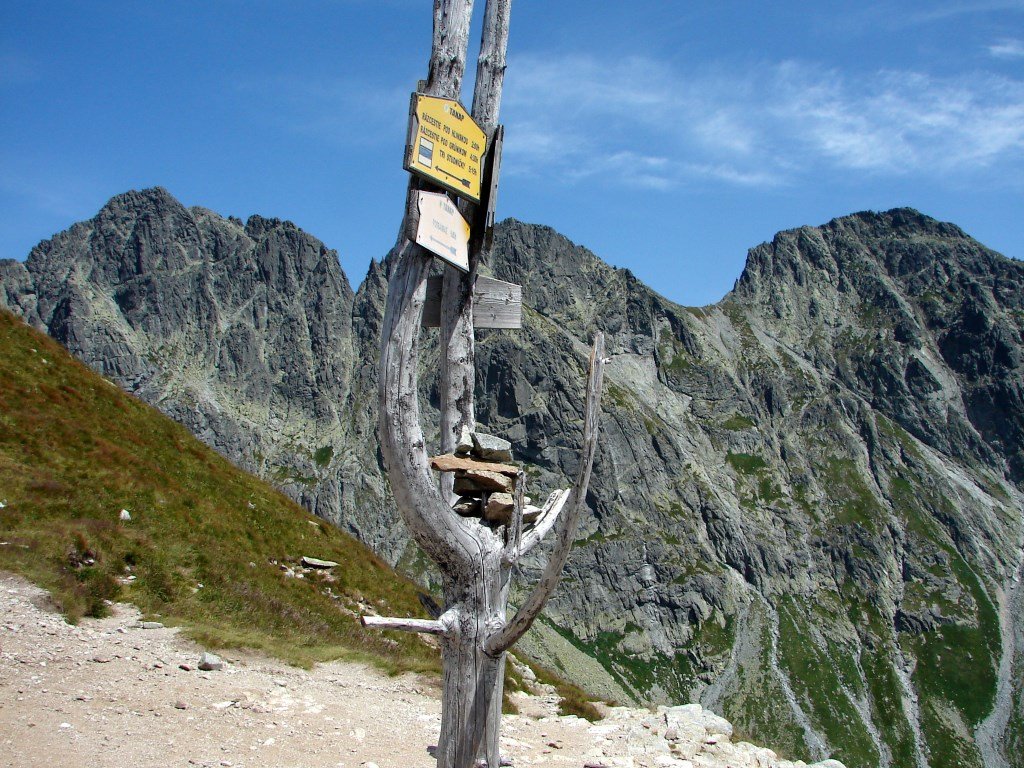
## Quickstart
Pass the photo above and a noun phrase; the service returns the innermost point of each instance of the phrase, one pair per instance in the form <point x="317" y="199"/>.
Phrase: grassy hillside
<point x="208" y="546"/>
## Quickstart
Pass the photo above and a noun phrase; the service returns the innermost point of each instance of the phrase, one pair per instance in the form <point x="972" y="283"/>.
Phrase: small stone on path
<point x="210" y="662"/>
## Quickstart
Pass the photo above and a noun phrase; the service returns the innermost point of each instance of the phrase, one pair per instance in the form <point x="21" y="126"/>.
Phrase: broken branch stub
<point x="430" y="626"/>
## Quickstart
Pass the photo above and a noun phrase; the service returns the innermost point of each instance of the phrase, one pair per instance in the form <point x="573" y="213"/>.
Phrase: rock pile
<point x="485" y="481"/>
<point x="686" y="736"/>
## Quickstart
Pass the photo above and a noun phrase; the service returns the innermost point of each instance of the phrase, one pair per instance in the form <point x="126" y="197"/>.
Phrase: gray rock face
<point x="808" y="494"/>
<point x="242" y="332"/>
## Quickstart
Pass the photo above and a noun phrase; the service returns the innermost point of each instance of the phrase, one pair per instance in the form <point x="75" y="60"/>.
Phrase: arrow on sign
<point x="463" y="182"/>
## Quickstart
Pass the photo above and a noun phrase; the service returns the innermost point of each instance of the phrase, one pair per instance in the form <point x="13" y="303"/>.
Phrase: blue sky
<point x="668" y="137"/>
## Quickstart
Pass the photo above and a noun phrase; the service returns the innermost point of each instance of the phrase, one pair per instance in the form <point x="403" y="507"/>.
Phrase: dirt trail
<point x="116" y="692"/>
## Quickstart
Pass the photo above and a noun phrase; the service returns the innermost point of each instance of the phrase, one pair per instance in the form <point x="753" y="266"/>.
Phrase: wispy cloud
<point x="964" y="8"/>
<point x="1007" y="49"/>
<point x="340" y="110"/>
<point x="643" y="124"/>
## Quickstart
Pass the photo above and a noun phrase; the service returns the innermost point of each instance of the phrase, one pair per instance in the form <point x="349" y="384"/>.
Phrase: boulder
<point x="499" y="508"/>
<point x="467" y="506"/>
<point x="210" y="662"/>
<point x="491" y="447"/>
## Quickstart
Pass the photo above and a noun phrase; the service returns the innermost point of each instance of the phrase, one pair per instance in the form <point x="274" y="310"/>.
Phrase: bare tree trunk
<point x="457" y="342"/>
<point x="473" y="680"/>
<point x="475" y="559"/>
<point x="457" y="407"/>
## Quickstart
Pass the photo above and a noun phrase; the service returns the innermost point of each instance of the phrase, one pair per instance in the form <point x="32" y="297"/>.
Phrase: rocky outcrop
<point x="809" y="493"/>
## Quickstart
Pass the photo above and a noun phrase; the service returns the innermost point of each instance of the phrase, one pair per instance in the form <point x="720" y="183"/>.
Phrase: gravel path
<point x="118" y="692"/>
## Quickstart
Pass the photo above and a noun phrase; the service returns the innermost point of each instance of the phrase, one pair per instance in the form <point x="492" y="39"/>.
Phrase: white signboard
<point x="442" y="230"/>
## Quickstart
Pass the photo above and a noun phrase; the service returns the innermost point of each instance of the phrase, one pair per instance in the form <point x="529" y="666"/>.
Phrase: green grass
<point x="620" y="397"/>
<point x="1015" y="731"/>
<point x="756" y="705"/>
<point x="745" y="463"/>
<point x="955" y="672"/>
<point x="883" y="686"/>
<point x="673" y="675"/>
<point x="574" y="700"/>
<point x="852" y="500"/>
<point x="947" y="747"/>
<point x="323" y="455"/>
<point x="737" y="423"/>
<point x="820" y="676"/>
<point x="957" y="662"/>
<point x="766" y="490"/>
<point x="206" y="542"/>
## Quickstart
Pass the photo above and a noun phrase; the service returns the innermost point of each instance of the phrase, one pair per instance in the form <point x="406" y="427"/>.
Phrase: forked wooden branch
<point x="545" y="522"/>
<point x="490" y="66"/>
<point x="504" y="638"/>
<point x="443" y="535"/>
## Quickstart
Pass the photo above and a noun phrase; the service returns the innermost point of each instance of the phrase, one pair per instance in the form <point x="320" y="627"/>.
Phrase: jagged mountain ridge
<point x="808" y="493"/>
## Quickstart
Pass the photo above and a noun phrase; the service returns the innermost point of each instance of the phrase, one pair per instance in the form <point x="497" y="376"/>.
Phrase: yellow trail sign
<point x="445" y="145"/>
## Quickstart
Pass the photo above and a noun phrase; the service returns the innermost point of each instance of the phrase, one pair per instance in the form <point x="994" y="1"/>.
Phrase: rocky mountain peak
<point x="901" y="244"/>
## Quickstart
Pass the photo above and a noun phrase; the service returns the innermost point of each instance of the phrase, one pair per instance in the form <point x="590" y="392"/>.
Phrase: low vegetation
<point x="207" y="546"/>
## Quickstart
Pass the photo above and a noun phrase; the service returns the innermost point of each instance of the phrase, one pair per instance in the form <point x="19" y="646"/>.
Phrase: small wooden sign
<point x="442" y="230"/>
<point x="496" y="304"/>
<point x="483" y="223"/>
<point x="445" y="145"/>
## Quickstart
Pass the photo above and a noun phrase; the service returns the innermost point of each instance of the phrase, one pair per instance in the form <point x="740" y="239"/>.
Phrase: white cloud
<point x="968" y="8"/>
<point x="642" y="124"/>
<point x="1007" y="49"/>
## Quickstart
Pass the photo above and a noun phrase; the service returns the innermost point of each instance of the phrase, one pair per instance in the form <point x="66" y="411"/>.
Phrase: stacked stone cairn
<point x="484" y="480"/>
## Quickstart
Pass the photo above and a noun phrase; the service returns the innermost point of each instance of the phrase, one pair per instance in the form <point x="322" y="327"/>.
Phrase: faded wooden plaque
<point x="496" y="304"/>
<point x="442" y="230"/>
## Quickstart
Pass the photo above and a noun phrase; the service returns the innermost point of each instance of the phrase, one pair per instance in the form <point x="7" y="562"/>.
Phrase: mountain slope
<point x="809" y="493"/>
<point x="206" y="545"/>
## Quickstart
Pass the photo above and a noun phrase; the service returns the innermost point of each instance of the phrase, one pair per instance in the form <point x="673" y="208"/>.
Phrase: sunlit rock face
<point x="806" y="508"/>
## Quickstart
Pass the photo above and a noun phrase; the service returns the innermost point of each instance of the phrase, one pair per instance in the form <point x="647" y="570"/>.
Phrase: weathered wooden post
<point x="475" y="555"/>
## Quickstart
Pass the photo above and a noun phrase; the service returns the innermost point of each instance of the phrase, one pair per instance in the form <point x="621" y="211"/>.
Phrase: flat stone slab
<point x="315" y="562"/>
<point x="477" y="481"/>
<point x="449" y="462"/>
<point x="531" y="513"/>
